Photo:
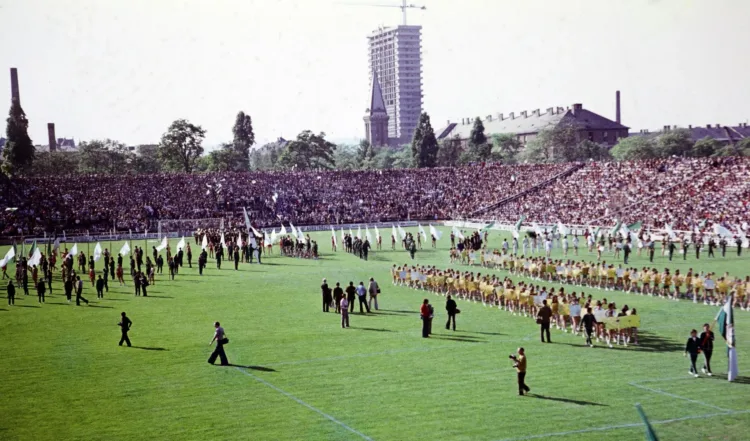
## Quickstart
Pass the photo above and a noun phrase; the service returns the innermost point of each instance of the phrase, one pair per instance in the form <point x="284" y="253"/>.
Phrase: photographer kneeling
<point x="520" y="365"/>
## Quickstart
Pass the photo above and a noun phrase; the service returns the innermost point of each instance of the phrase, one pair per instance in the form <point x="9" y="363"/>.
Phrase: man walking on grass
<point x="221" y="339"/>
<point x="362" y="294"/>
<point x="124" y="325"/>
<point x="374" y="290"/>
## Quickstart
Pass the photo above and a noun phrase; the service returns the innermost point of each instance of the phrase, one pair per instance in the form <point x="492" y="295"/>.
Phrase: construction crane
<point x="403" y="6"/>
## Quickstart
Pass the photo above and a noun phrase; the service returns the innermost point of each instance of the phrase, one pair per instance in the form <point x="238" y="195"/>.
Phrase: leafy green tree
<point x="557" y="144"/>
<point x="384" y="158"/>
<point x="227" y="158"/>
<point x="505" y="147"/>
<point x="365" y="151"/>
<point x="309" y="151"/>
<point x="19" y="151"/>
<point x="478" y="141"/>
<point x="104" y="157"/>
<point x="55" y="163"/>
<point x="449" y="151"/>
<point x="146" y="160"/>
<point x="678" y="142"/>
<point x="347" y="157"/>
<point x="424" y="145"/>
<point x="244" y="139"/>
<point x="181" y="145"/>
<point x="588" y="150"/>
<point x="634" y="148"/>
<point x="705" y="147"/>
<point x="403" y="158"/>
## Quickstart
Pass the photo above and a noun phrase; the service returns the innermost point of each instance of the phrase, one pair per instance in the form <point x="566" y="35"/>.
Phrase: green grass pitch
<point x="304" y="378"/>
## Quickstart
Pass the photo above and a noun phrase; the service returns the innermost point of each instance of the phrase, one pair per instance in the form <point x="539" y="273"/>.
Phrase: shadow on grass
<point x="117" y="300"/>
<point x="159" y="297"/>
<point x="380" y="312"/>
<point x="101" y="306"/>
<point x="416" y="311"/>
<point x="36" y="306"/>
<point x="255" y="368"/>
<point x="3" y="309"/>
<point x="568" y="400"/>
<point x="480" y="332"/>
<point x="461" y="339"/>
<point x="372" y="329"/>
<point x="149" y="349"/>
<point x="652" y="342"/>
<point x="722" y="377"/>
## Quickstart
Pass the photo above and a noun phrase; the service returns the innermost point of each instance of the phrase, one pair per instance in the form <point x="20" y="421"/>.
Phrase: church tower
<point x="376" y="118"/>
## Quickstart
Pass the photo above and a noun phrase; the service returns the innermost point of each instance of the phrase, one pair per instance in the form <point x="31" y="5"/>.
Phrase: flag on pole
<point x="97" y="252"/>
<point x="239" y="241"/>
<point x="725" y="319"/>
<point x="616" y="228"/>
<point x="35" y="258"/>
<point x="343" y="236"/>
<point x="435" y="232"/>
<point x="562" y="229"/>
<point x="222" y="241"/>
<point x="333" y="236"/>
<point x="274" y="236"/>
<point x="73" y="251"/>
<point x="722" y="231"/>
<point x="294" y="230"/>
<point x="670" y="231"/>
<point x="401" y="232"/>
<point x="181" y="244"/>
<point x="519" y="223"/>
<point x="255" y="232"/>
<point x="266" y="239"/>
<point x="367" y="234"/>
<point x="377" y="233"/>
<point x="359" y="232"/>
<point x="56" y="245"/>
<point x="163" y="243"/>
<point x="422" y="232"/>
<point x="125" y="250"/>
<point x="8" y="257"/>
<point x="282" y="231"/>
<point x="204" y="242"/>
<point x="487" y="228"/>
<point x="393" y="231"/>
<point x="650" y="434"/>
<point x="458" y="233"/>
<point x="300" y="236"/>
<point x="635" y="226"/>
<point x="31" y="250"/>
<point x="247" y="220"/>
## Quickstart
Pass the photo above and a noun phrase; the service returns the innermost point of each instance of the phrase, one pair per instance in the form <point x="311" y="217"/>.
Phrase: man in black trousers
<point x="326" y="292"/>
<point x="693" y="347"/>
<point x="351" y="294"/>
<point x="11" y="293"/>
<point x="520" y="365"/>
<point x="100" y="288"/>
<point x="451" y="308"/>
<point x="79" y="292"/>
<point x="237" y="258"/>
<point x="124" y="325"/>
<point x="221" y="339"/>
<point x="543" y="316"/>
<point x="707" y="346"/>
<point x="137" y="283"/>
<point x="40" y="290"/>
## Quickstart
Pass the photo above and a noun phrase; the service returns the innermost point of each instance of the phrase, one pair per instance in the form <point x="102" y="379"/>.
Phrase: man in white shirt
<point x="362" y="295"/>
<point x="221" y="340"/>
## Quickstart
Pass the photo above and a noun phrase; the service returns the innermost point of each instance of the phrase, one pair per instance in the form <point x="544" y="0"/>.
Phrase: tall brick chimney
<point x="51" y="136"/>
<point x="14" y="93"/>
<point x="617" y="107"/>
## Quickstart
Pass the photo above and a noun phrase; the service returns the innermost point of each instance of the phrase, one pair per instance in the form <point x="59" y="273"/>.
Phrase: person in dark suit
<point x="326" y="292"/>
<point x="100" y="288"/>
<point x="589" y="323"/>
<point x="40" y="290"/>
<point x="351" y="294"/>
<point x="707" y="346"/>
<point x="236" y="258"/>
<point x="452" y="309"/>
<point x="172" y="268"/>
<point x="105" y="273"/>
<point x="219" y="255"/>
<point x="144" y="284"/>
<point x="672" y="247"/>
<point x="189" y="256"/>
<point x="338" y="294"/>
<point x="124" y="325"/>
<point x="79" y="292"/>
<point x="544" y="315"/>
<point x="137" y="283"/>
<point x="221" y="339"/>
<point x="68" y="286"/>
<point x="693" y="347"/>
<point x="11" y="293"/>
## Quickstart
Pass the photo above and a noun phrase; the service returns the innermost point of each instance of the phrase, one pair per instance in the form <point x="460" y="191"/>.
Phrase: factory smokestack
<point x="617" y="107"/>
<point x="14" y="94"/>
<point x="51" y="135"/>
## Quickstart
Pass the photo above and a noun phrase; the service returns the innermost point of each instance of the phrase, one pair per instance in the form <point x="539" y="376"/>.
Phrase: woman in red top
<point x="424" y="312"/>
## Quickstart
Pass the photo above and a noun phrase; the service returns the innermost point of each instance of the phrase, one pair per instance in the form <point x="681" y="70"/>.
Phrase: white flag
<point x="343" y="236"/>
<point x="294" y="230"/>
<point x="266" y="239"/>
<point x="562" y="229"/>
<point x="56" y="245"/>
<point x="367" y="234"/>
<point x="204" y="242"/>
<point x="221" y="241"/>
<point x="282" y="231"/>
<point x="125" y="250"/>
<point x="401" y="232"/>
<point x="163" y="243"/>
<point x="333" y="235"/>
<point x="73" y="251"/>
<point x="300" y="236"/>
<point x="239" y="241"/>
<point x="515" y="234"/>
<point x="350" y="233"/>
<point x="181" y="244"/>
<point x="422" y="232"/>
<point x="8" y="257"/>
<point x="35" y="258"/>
<point x="721" y="231"/>
<point x="669" y="231"/>
<point x="359" y="232"/>
<point x="393" y="232"/>
<point x="377" y="233"/>
<point x="458" y="233"/>
<point x="537" y="230"/>
<point x="97" y="252"/>
<point x="273" y="236"/>
<point x="435" y="232"/>
<point x="255" y="232"/>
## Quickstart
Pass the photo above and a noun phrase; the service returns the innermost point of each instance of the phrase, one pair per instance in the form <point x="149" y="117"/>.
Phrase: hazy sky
<point x="126" y="69"/>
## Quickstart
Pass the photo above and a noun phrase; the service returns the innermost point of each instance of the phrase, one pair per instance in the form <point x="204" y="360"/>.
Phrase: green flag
<point x="616" y="229"/>
<point x="487" y="228"/>
<point x="636" y="226"/>
<point x="32" y="249"/>
<point x="520" y="221"/>
<point x="650" y="434"/>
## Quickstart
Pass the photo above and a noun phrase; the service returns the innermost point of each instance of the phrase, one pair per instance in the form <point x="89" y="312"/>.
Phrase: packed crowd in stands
<point x="679" y="191"/>
<point x="101" y="203"/>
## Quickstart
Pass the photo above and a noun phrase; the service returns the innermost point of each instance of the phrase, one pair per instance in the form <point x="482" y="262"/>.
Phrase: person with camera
<point x="221" y="339"/>
<point x="543" y="319"/>
<point x="519" y="362"/>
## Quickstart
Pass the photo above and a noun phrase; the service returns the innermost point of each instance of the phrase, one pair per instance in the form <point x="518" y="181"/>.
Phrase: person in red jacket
<point x="424" y="313"/>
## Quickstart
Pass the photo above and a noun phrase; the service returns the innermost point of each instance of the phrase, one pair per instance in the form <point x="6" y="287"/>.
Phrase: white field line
<point x="625" y="426"/>
<point x="661" y="392"/>
<point x="302" y="403"/>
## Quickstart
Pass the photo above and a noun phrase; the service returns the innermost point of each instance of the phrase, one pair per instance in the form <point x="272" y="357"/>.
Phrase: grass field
<point x="299" y="376"/>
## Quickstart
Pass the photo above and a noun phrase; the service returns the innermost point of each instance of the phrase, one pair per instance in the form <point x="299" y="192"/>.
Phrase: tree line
<point x="181" y="150"/>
